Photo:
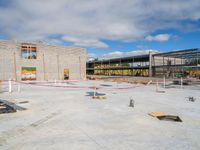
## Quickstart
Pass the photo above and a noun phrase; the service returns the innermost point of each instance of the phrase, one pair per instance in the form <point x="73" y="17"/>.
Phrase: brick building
<point x="39" y="61"/>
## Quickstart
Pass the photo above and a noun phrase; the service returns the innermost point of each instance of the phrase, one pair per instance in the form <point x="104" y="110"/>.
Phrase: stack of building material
<point x="165" y="116"/>
<point x="8" y="107"/>
<point x="4" y="108"/>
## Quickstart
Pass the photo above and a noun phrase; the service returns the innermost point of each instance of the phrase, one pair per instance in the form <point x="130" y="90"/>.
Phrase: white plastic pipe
<point x="164" y="82"/>
<point x="95" y="91"/>
<point x="10" y="85"/>
<point x="18" y="87"/>
<point x="156" y="85"/>
<point x="55" y="81"/>
<point x="181" y="82"/>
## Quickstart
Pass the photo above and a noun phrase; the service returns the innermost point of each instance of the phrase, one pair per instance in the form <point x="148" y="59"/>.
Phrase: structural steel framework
<point x="169" y="64"/>
<point x="185" y="62"/>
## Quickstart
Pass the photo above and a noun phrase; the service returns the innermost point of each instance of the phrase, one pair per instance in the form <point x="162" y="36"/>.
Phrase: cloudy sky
<point x="105" y="27"/>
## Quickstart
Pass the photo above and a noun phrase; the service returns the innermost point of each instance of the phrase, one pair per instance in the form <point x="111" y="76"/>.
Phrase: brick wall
<point x="50" y="63"/>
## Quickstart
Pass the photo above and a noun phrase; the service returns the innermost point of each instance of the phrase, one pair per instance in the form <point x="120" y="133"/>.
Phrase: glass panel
<point x="28" y="51"/>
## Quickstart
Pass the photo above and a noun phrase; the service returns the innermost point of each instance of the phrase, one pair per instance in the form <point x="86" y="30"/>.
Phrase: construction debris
<point x="191" y="98"/>
<point x="157" y="114"/>
<point x="4" y="108"/>
<point x="164" y="116"/>
<point x="9" y="107"/>
<point x="144" y="81"/>
<point x="22" y="102"/>
<point x="184" y="82"/>
<point x="99" y="97"/>
<point x="160" y="91"/>
<point x="105" y="85"/>
<point x="132" y="102"/>
<point x="91" y="78"/>
<point x="149" y="82"/>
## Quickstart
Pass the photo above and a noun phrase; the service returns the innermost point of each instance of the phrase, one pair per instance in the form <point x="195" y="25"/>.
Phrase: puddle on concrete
<point x="94" y="93"/>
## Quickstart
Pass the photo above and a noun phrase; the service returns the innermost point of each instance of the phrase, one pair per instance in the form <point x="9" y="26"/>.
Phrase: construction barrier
<point x="12" y="85"/>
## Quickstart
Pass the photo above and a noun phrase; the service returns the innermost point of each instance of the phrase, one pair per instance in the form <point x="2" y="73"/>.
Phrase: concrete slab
<point x="65" y="118"/>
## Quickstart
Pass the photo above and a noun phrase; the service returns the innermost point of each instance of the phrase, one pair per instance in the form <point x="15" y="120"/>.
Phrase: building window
<point x="29" y="51"/>
<point x="28" y="73"/>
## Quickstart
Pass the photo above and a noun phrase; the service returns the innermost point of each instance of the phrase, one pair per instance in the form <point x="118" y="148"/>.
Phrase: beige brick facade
<point x="50" y="62"/>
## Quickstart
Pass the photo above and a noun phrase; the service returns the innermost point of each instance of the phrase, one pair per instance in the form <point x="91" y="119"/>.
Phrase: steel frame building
<point x="168" y="64"/>
<point x="177" y="62"/>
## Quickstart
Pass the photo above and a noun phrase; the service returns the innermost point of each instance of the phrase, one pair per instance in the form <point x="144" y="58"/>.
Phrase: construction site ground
<point x="65" y="116"/>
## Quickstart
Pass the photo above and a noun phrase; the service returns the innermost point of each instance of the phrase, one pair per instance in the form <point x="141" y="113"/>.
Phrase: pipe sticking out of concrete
<point x="156" y="85"/>
<point x="18" y="87"/>
<point x="55" y="81"/>
<point x="164" y="82"/>
<point x="95" y="90"/>
<point x="10" y="86"/>
<point x="181" y="82"/>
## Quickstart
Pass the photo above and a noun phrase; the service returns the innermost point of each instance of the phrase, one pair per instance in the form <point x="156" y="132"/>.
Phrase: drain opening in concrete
<point x="164" y="116"/>
<point x="105" y="85"/>
<point x="160" y="91"/>
<point x="170" y="118"/>
<point x="23" y="102"/>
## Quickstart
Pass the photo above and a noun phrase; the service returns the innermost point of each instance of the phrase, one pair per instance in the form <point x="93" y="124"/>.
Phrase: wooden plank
<point x="157" y="114"/>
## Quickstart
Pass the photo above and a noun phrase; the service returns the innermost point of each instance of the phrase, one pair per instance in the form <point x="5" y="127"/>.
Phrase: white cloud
<point x="159" y="37"/>
<point x="91" y="56"/>
<point x="118" y="54"/>
<point x="86" y="42"/>
<point x="89" y="21"/>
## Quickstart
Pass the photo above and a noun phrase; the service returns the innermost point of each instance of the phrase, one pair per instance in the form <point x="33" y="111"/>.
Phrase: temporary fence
<point x="15" y="86"/>
<point x="12" y="85"/>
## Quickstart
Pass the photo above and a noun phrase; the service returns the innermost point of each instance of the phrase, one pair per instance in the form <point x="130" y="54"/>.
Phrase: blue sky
<point x="104" y="27"/>
<point x="179" y="41"/>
